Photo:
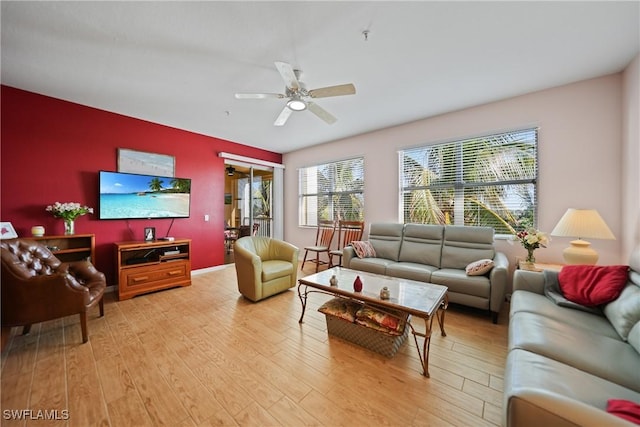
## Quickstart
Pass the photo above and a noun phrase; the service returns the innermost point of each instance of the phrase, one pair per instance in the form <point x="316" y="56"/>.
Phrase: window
<point x="331" y="191"/>
<point x="484" y="181"/>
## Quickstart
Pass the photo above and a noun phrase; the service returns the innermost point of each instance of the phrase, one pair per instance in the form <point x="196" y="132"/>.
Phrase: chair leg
<point x="339" y="260"/>
<point x="83" y="325"/>
<point x="304" y="260"/>
<point x="101" y="305"/>
<point x="317" y="261"/>
<point x="26" y="329"/>
<point x="6" y="335"/>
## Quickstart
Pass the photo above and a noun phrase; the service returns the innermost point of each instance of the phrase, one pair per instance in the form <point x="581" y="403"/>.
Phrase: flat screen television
<point x="131" y="196"/>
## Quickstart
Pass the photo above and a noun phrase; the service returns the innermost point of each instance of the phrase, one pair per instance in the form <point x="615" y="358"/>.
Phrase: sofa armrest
<point x="348" y="253"/>
<point x="531" y="407"/>
<point x="248" y="272"/>
<point x="532" y="281"/>
<point x="498" y="278"/>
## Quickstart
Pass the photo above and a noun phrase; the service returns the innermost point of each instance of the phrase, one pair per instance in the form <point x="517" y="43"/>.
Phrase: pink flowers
<point x="68" y="211"/>
<point x="532" y="239"/>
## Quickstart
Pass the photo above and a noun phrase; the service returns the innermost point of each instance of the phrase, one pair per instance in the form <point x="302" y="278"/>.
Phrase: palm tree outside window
<point x="484" y="181"/>
<point x="331" y="191"/>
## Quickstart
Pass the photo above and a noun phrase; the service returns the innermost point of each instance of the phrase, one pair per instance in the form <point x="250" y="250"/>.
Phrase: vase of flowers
<point x="532" y="239"/>
<point x="68" y="211"/>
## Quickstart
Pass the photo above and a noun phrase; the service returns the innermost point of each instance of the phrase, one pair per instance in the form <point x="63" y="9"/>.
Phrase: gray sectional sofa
<point x="564" y="364"/>
<point x="437" y="254"/>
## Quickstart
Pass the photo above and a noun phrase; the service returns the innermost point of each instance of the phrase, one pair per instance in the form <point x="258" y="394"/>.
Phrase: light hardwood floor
<point x="203" y="356"/>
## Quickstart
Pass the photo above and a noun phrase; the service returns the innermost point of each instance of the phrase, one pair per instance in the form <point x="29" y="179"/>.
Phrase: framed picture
<point x="149" y="234"/>
<point x="7" y="231"/>
<point x="132" y="161"/>
<point x="228" y="198"/>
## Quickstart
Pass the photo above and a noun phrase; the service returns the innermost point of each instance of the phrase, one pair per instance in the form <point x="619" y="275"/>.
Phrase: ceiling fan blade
<point x="321" y="112"/>
<point x="258" y="95"/>
<point x="339" y="90"/>
<point x="288" y="75"/>
<point x="283" y="117"/>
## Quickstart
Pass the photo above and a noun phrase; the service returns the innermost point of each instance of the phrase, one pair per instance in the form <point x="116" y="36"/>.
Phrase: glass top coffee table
<point x="419" y="299"/>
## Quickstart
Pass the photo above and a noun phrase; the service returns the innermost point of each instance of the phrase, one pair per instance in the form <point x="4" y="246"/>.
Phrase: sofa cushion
<point x="624" y="312"/>
<point x="624" y="409"/>
<point x="458" y="282"/>
<point x="576" y="347"/>
<point x="592" y="285"/>
<point x="386" y="239"/>
<point x="479" y="268"/>
<point x="275" y="269"/>
<point x="539" y="391"/>
<point x="422" y="244"/>
<point x="364" y="249"/>
<point x="463" y="245"/>
<point x="536" y="303"/>
<point x="411" y="271"/>
<point x="341" y="308"/>
<point x="554" y="293"/>
<point x="372" y="265"/>
<point x="392" y="323"/>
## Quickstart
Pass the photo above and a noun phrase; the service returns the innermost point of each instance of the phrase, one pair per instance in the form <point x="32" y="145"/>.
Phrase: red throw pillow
<point x="592" y="285"/>
<point x="626" y="409"/>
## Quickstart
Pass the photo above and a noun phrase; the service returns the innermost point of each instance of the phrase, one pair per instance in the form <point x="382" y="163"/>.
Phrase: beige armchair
<point x="264" y="266"/>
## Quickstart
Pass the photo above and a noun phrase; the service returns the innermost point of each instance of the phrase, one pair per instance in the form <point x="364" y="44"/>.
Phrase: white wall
<point x="631" y="157"/>
<point x="580" y="156"/>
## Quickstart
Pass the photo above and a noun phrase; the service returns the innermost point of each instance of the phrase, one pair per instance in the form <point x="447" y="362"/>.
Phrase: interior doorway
<point x="248" y="200"/>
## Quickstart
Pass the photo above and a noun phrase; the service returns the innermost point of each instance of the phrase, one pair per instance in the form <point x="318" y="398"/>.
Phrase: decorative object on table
<point x="531" y="239"/>
<point x="37" y="231"/>
<point x="357" y="284"/>
<point x="149" y="234"/>
<point x="7" y="231"/>
<point x="582" y="223"/>
<point x="385" y="293"/>
<point x="333" y="281"/>
<point x="69" y="211"/>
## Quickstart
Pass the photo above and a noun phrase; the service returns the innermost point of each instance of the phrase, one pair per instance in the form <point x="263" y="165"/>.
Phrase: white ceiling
<point x="180" y="63"/>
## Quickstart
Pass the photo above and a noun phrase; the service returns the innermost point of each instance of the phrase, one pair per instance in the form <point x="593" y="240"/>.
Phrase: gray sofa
<point x="437" y="254"/>
<point x="563" y="363"/>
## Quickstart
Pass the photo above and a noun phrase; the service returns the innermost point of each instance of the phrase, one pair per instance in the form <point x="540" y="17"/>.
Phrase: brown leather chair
<point x="37" y="286"/>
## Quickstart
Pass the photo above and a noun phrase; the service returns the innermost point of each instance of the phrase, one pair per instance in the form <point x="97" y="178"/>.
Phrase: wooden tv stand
<point x="150" y="266"/>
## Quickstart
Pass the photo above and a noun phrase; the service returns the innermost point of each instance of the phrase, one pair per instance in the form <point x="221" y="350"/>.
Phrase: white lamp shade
<point x="582" y="223"/>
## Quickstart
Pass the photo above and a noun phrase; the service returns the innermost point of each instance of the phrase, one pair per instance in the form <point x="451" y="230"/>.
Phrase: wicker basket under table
<point x="374" y="340"/>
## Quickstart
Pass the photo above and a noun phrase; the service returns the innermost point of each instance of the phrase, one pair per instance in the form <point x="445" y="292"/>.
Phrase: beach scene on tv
<point x="125" y="195"/>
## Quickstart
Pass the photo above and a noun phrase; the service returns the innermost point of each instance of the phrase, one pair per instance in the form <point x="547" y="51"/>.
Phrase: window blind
<point x="483" y="181"/>
<point x="331" y="191"/>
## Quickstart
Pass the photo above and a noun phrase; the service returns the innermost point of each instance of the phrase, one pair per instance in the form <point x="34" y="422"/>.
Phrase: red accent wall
<point x="52" y="151"/>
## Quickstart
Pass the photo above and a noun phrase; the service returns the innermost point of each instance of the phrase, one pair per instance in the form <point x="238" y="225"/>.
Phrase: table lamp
<point x="582" y="223"/>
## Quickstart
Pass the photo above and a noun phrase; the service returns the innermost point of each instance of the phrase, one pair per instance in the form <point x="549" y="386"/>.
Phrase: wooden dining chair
<point x="348" y="231"/>
<point x="324" y="236"/>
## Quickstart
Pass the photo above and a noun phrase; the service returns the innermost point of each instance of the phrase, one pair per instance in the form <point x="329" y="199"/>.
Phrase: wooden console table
<point x="150" y="266"/>
<point x="72" y="247"/>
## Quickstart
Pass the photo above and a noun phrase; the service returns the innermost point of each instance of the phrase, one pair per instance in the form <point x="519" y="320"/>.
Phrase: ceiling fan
<point x="299" y="96"/>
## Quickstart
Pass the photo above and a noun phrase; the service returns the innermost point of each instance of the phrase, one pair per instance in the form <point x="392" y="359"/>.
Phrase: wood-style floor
<point x="204" y="356"/>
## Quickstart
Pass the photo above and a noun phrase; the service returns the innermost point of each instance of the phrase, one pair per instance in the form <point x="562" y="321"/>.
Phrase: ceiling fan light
<point x="297" y="104"/>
